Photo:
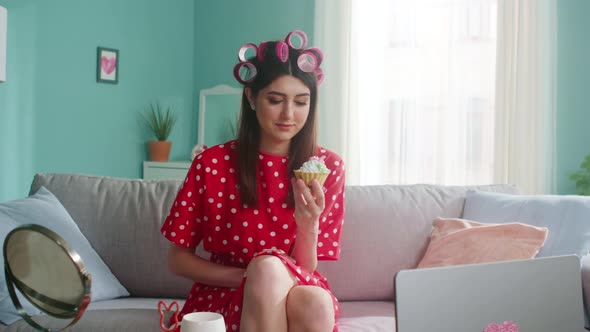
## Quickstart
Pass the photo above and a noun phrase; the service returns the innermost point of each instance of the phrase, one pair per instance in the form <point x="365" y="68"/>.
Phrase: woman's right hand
<point x="184" y="262"/>
<point x="309" y="205"/>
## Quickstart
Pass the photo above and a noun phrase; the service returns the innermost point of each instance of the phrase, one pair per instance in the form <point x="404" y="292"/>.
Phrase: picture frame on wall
<point x="107" y="65"/>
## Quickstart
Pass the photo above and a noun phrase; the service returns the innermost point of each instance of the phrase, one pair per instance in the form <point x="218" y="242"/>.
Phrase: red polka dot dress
<point x="208" y="208"/>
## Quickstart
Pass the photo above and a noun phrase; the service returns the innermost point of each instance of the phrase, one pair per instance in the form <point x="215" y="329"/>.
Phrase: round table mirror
<point x="48" y="273"/>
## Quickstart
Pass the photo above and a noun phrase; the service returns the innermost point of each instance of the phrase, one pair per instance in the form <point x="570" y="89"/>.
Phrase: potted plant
<point x="160" y="121"/>
<point x="582" y="178"/>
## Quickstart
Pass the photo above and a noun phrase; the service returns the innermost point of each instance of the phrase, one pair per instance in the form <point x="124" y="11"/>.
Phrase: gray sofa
<point x="386" y="230"/>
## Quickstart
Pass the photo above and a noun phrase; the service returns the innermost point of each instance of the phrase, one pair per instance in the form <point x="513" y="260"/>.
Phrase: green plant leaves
<point x="159" y="120"/>
<point x="582" y="178"/>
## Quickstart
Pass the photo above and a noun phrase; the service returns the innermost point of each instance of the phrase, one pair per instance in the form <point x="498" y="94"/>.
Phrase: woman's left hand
<point x="309" y="204"/>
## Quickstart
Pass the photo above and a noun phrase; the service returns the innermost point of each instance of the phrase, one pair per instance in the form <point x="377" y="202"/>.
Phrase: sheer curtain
<point x="526" y="95"/>
<point x="421" y="102"/>
<point x="427" y="91"/>
<point x="410" y="92"/>
<point x="338" y="113"/>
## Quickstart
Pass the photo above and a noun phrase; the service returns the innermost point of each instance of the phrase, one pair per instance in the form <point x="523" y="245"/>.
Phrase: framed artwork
<point x="107" y="65"/>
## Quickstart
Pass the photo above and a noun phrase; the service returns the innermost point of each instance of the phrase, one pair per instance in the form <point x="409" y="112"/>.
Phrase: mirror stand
<point x="47" y="272"/>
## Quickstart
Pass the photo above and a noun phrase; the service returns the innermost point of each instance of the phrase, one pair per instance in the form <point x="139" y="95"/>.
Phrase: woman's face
<point x="282" y="109"/>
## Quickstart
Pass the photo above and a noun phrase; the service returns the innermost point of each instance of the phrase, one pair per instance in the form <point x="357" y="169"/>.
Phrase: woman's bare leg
<point x="310" y="309"/>
<point x="268" y="282"/>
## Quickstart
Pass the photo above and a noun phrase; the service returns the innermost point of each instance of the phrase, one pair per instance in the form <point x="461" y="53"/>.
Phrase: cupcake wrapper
<point x="308" y="177"/>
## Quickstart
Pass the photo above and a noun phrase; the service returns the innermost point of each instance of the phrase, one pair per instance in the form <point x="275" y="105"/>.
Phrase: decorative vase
<point x="159" y="150"/>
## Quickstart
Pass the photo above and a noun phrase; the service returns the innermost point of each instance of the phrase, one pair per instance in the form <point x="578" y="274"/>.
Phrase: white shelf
<point x="169" y="170"/>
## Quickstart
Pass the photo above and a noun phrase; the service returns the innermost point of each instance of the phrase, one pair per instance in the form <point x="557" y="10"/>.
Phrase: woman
<point x="265" y="229"/>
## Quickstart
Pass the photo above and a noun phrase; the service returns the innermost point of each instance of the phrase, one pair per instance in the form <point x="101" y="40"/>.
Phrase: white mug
<point x="202" y="322"/>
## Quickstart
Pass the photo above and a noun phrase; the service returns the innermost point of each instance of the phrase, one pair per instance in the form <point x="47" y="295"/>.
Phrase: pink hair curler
<point x="318" y="53"/>
<point x="260" y="53"/>
<point x="282" y="51"/>
<point x="245" y="72"/>
<point x="319" y="76"/>
<point x="307" y="61"/>
<point x="302" y="37"/>
<point x="244" y="49"/>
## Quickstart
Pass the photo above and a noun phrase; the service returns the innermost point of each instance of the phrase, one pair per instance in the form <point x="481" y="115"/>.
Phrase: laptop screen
<point x="543" y="294"/>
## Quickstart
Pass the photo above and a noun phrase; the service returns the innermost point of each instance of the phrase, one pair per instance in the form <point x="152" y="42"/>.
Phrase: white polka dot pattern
<point x="208" y="206"/>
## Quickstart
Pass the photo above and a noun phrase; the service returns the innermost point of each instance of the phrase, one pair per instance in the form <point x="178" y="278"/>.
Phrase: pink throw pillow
<point x="459" y="241"/>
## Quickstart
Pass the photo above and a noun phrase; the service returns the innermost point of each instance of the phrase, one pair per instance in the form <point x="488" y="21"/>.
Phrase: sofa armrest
<point x="586" y="288"/>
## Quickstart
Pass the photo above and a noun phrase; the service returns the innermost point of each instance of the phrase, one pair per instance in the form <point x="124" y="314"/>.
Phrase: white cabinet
<point x="169" y="170"/>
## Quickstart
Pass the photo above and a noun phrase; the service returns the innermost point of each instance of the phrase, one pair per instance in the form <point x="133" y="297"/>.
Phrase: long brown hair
<point x="303" y="144"/>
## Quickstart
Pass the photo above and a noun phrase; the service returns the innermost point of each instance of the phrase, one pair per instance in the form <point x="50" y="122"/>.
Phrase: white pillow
<point x="44" y="209"/>
<point x="566" y="217"/>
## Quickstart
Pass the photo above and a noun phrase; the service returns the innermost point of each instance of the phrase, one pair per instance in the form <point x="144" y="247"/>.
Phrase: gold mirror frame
<point x="63" y="310"/>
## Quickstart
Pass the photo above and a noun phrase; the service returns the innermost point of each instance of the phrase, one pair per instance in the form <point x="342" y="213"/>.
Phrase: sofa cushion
<point x="367" y="316"/>
<point x="362" y="316"/>
<point x="128" y="320"/>
<point x="566" y="217"/>
<point x="132" y="303"/>
<point x="367" y="324"/>
<point x="457" y="241"/>
<point x="44" y="209"/>
<point x="121" y="219"/>
<point x="387" y="229"/>
<point x="350" y="309"/>
<point x="354" y="309"/>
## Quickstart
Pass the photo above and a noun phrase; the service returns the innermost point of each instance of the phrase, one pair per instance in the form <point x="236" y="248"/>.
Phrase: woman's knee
<point x="267" y="276"/>
<point x="265" y="267"/>
<point x="311" y="306"/>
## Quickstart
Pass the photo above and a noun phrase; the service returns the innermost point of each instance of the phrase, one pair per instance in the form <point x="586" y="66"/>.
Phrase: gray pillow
<point x="44" y="209"/>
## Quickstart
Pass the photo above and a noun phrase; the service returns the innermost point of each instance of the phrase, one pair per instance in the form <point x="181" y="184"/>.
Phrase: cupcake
<point x="314" y="168"/>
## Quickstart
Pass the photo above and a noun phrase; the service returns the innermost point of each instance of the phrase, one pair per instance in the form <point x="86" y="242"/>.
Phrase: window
<point x="426" y="80"/>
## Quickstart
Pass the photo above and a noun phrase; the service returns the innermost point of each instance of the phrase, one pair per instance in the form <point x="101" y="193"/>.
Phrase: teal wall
<point x="17" y="119"/>
<point x="218" y="40"/>
<point x="573" y="90"/>
<point x="54" y="117"/>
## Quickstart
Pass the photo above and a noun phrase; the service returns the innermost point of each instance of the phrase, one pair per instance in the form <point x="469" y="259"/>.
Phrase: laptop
<point x="535" y="295"/>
